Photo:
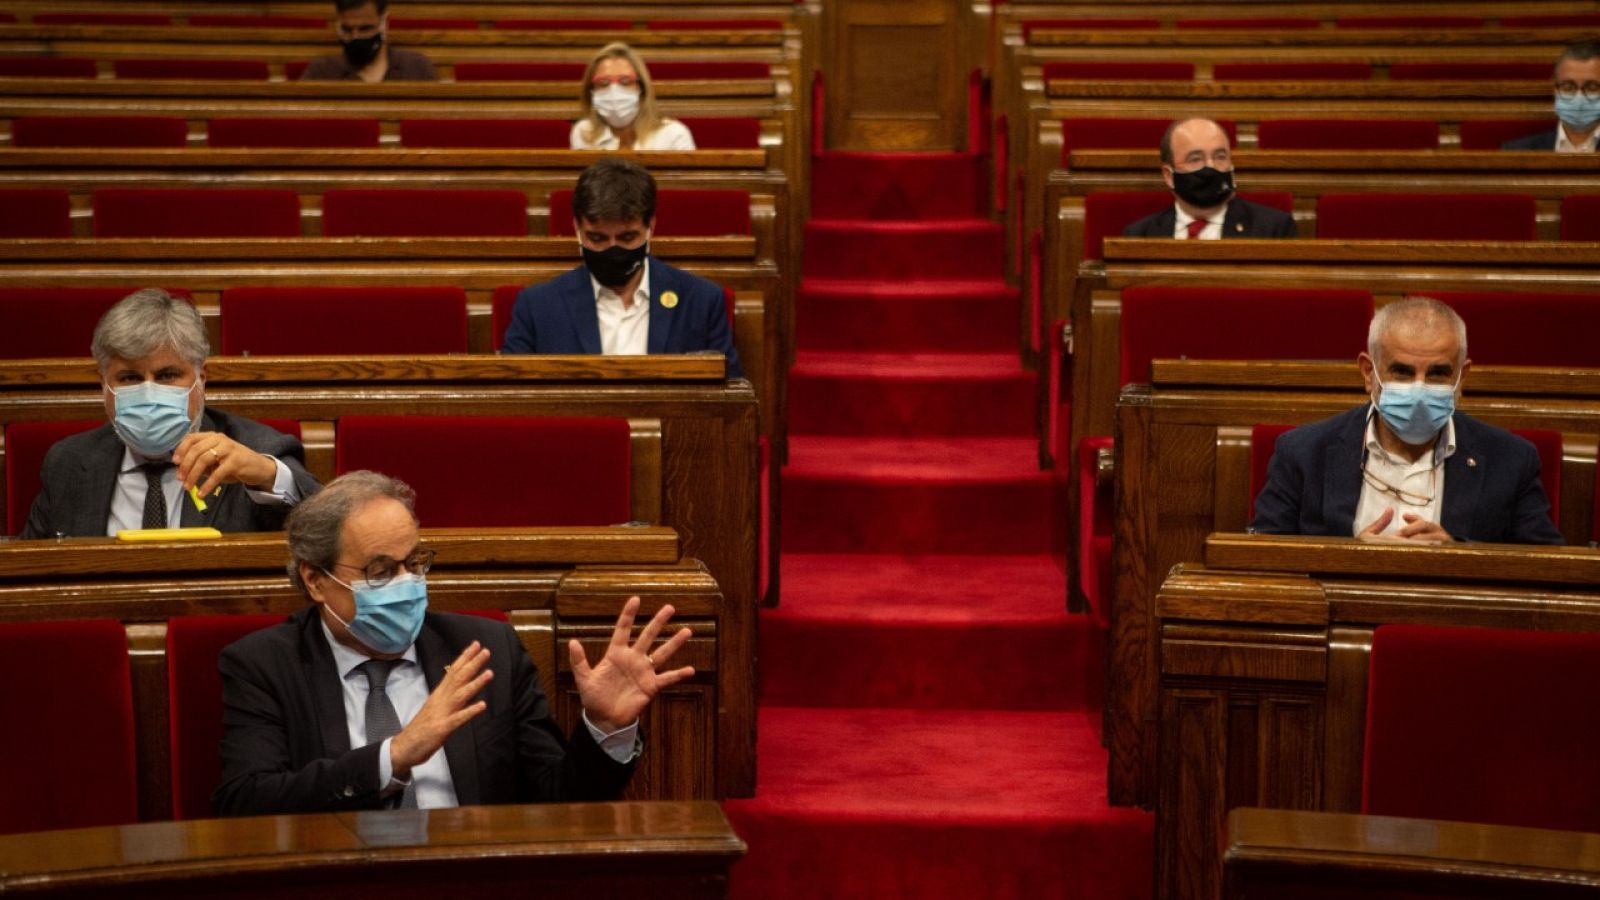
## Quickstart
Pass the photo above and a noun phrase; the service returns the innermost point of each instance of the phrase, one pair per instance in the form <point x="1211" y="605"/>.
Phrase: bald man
<point x="1197" y="164"/>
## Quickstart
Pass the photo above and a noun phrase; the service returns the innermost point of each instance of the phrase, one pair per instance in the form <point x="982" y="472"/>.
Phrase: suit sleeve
<point x="551" y="768"/>
<point x="521" y="335"/>
<point x="1277" y="509"/>
<point x="718" y="335"/>
<point x="1286" y="228"/>
<point x="1530" y="516"/>
<point x="40" y="515"/>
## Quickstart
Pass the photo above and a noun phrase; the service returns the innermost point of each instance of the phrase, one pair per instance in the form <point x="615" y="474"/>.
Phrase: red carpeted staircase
<point x="929" y="711"/>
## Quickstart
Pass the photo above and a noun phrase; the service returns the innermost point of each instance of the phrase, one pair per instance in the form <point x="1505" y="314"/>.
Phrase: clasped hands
<point x="614" y="691"/>
<point x="1417" y="529"/>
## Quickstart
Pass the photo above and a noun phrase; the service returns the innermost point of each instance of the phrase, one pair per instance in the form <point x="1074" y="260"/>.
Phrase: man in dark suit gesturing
<point x="349" y="704"/>
<point x="622" y="300"/>
<point x="1197" y="164"/>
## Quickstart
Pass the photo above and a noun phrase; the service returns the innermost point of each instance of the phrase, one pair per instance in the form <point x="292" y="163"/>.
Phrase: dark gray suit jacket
<point x="286" y="744"/>
<point x="1242" y="220"/>
<point x="1544" y="140"/>
<point x="79" y="478"/>
<point x="404" y="65"/>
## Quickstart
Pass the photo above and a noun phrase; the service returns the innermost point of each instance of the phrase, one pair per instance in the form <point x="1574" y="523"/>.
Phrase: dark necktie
<point x="155" y="499"/>
<point x="382" y="721"/>
<point x="1197" y="226"/>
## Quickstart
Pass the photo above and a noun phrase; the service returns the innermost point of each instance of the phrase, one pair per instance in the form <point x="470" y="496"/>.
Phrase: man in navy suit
<point x="1577" y="88"/>
<point x="1407" y="466"/>
<point x="1197" y="163"/>
<point x="622" y="300"/>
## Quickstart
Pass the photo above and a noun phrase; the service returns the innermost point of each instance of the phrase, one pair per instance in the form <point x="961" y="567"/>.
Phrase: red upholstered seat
<point x="714" y="25"/>
<point x="47" y="67"/>
<point x="53" y="321"/>
<point x="68" y="709"/>
<point x="1490" y="134"/>
<point x="1469" y="71"/>
<point x="99" y="131"/>
<point x="1029" y="26"/>
<point x="513" y="133"/>
<point x="1580" y="218"/>
<point x="35" y="213"/>
<point x="432" y="213"/>
<point x="564" y="24"/>
<point x="1347" y="134"/>
<point x="331" y="321"/>
<point x="101" y="18"/>
<point x="213" y="69"/>
<point x="213" y="20"/>
<point x="26" y="445"/>
<point x="1118" y="71"/>
<point x="1484" y="725"/>
<point x="679" y="213"/>
<point x="724" y="133"/>
<point x="492" y="471"/>
<point x="695" y="70"/>
<point x="1252" y="23"/>
<point x="267" y="132"/>
<point x="520" y="71"/>
<point x="1437" y="217"/>
<point x="1416" y="23"/>
<point x="1292" y="71"/>
<point x="1552" y="20"/>
<point x="435" y="23"/>
<point x="194" y="692"/>
<point x="196" y="212"/>
<point x="1102" y="133"/>
<point x="1511" y="328"/>
<point x="293" y="69"/>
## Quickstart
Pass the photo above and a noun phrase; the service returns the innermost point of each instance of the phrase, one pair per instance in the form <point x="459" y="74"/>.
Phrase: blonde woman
<point x="619" y="108"/>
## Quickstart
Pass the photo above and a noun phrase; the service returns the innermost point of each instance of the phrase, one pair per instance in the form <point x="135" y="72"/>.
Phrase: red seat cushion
<point x="1251" y="23"/>
<point x="331" y="321"/>
<point x="679" y="213"/>
<point x="715" y="25"/>
<point x="1484" y="725"/>
<point x="212" y="69"/>
<point x="1347" y="134"/>
<point x="68" y="708"/>
<point x="99" y="131"/>
<point x="1435" y="217"/>
<point x="1415" y="23"/>
<point x="101" y="18"/>
<point x="1580" y="218"/>
<point x="1507" y="328"/>
<point x="725" y="134"/>
<point x="520" y="71"/>
<point x="1469" y="71"/>
<point x="265" y="132"/>
<point x="431" y="213"/>
<point x="513" y="133"/>
<point x="1292" y="71"/>
<point x="565" y="24"/>
<point x="1118" y="71"/>
<point x="47" y="67"/>
<point x="498" y="471"/>
<point x="1489" y="134"/>
<point x="195" y="212"/>
<point x="35" y="213"/>
<point x="194" y="697"/>
<point x="26" y="445"/>
<point x="693" y="70"/>
<point x="1029" y="26"/>
<point x="53" y="321"/>
<point x="245" y="21"/>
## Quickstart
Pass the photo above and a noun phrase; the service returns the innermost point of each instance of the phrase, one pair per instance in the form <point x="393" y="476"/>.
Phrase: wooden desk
<point x="571" y="851"/>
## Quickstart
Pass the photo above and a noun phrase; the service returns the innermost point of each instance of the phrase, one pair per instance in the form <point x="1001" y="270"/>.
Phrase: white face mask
<point x="617" y="105"/>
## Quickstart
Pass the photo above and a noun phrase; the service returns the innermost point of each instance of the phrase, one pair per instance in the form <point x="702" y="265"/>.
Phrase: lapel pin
<point x="1238" y="226"/>
<point x="669" y="299"/>
<point x="1471" y="463"/>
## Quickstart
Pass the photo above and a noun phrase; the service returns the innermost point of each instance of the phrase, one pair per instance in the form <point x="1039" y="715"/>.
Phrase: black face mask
<point x="360" y="51"/>
<point x="1203" y="188"/>
<point x="614" y="265"/>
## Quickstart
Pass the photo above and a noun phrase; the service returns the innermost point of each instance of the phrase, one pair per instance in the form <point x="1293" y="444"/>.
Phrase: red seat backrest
<point x="694" y="70"/>
<point x="502" y="303"/>
<point x="679" y="213"/>
<point x="565" y="24"/>
<point x="101" y="18"/>
<point x="35" y="213"/>
<point x="53" y="321"/>
<point x="194" y="698"/>
<point x="26" y="445"/>
<point x="1239" y="323"/>
<point x="1417" y="23"/>
<point x="47" y="67"/>
<point x="1506" y="328"/>
<point x="1251" y="23"/>
<point x="1029" y="26"/>
<point x="715" y="25"/>
<point x="1109" y="133"/>
<point x="1552" y="20"/>
<point x="432" y="213"/>
<point x="1292" y="71"/>
<point x="99" y="131"/>
<point x="1347" y="134"/>
<point x="512" y="133"/>
<point x="521" y="71"/>
<point x="1438" y="217"/>
<point x="1580" y="217"/>
<point x="433" y="23"/>
<point x="1489" y="134"/>
<point x="333" y="321"/>
<point x="213" y="69"/>
<point x="1469" y="71"/>
<point x="68" y="708"/>
<point x="725" y="133"/>
<point x="1118" y="71"/>
<point x="266" y="132"/>
<point x="1484" y="725"/>
<point x="245" y="21"/>
<point x="494" y="471"/>
<point x="196" y="212"/>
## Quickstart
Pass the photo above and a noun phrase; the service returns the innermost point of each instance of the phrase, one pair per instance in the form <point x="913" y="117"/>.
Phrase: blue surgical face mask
<point x="1578" y="111"/>
<point x="1415" y="410"/>
<point x="152" y="418"/>
<point x="389" y="618"/>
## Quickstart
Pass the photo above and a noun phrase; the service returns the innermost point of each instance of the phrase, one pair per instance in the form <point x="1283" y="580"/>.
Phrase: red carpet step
<point x="905" y="316"/>
<point x="910" y="394"/>
<point x="898" y="186"/>
<point x="963" y="249"/>
<point x="915" y="495"/>
<point x="934" y="804"/>
<point x="928" y="632"/>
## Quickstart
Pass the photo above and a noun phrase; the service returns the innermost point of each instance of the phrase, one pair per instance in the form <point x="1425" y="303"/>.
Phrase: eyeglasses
<point x="1570" y="89"/>
<point x="382" y="570"/>
<point x="1401" y="494"/>
<point x="605" y="81"/>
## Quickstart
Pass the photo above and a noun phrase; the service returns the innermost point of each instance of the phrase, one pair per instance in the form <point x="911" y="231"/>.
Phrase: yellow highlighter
<point x="168" y="534"/>
<point x="199" y="502"/>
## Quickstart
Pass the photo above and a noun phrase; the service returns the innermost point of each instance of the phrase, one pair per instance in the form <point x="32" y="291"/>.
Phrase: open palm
<point x="617" y="689"/>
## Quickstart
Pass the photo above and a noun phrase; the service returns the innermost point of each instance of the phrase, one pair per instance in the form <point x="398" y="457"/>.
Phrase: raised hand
<point x="618" y="688"/>
<point x="449" y="707"/>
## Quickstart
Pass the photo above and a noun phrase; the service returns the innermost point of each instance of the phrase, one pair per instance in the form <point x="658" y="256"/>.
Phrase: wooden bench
<point x="679" y="849"/>
<point x="1264" y="655"/>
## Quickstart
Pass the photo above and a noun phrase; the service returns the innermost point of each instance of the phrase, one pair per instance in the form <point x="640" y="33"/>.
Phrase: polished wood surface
<point x="893" y="75"/>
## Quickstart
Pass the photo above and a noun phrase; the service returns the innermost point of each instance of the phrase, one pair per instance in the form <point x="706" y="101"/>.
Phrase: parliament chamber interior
<point x="964" y="483"/>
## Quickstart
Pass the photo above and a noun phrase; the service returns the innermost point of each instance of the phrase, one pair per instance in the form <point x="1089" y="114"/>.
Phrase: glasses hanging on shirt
<point x="1404" y="496"/>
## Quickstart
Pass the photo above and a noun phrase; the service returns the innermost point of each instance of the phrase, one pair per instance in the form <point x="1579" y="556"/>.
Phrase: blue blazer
<point x="559" y="316"/>
<point x="1492" y="490"/>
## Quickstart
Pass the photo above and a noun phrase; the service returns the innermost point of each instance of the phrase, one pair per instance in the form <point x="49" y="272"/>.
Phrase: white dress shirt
<point x="624" y="330"/>
<point x="1423" y="478"/>
<point x="1212" y="231"/>
<point x="1564" y="145"/>
<point x="669" y="135"/>
<point x="127" y="501"/>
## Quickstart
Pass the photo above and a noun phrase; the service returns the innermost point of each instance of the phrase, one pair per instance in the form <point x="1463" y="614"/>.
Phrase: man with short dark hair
<point x="1577" y="90"/>
<point x="362" y="27"/>
<point x="1197" y="164"/>
<point x="621" y="300"/>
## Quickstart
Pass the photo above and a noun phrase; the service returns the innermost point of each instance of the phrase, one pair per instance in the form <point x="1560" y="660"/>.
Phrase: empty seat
<point x="1029" y="26"/>
<point x="1118" y="71"/>
<point x="1437" y="217"/>
<point x="26" y="444"/>
<point x="1102" y="133"/>
<point x="695" y="70"/>
<point x="429" y="213"/>
<point x="565" y="24"/>
<point x="1469" y="71"/>
<point x="47" y="67"/>
<point x="520" y="71"/>
<point x="331" y="321"/>
<point x="101" y="18"/>
<point x="724" y="133"/>
<point x="53" y="321"/>
<point x="247" y="21"/>
<point x="1292" y="71"/>
<point x="35" y="213"/>
<point x="264" y="132"/>
<point x="99" y="131"/>
<point x="679" y="213"/>
<point x="1511" y="328"/>
<point x="1580" y="217"/>
<point x="1411" y="23"/>
<point x="498" y="471"/>
<point x="511" y="133"/>
<point x="1347" y="134"/>
<point x="1484" y="725"/>
<point x="1251" y="23"/>
<point x="68" y="708"/>
<point x="195" y="212"/>
<point x="199" y="69"/>
<point x="1490" y="134"/>
<point x="715" y="25"/>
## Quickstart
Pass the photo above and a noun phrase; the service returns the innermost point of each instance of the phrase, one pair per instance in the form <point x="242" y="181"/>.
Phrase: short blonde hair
<point x="649" y="118"/>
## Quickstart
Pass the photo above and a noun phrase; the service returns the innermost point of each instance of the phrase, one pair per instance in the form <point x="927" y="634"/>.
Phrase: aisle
<point x="925" y="724"/>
